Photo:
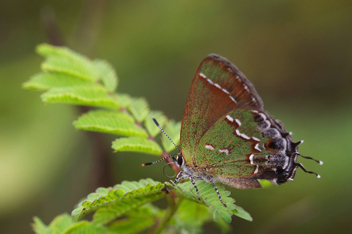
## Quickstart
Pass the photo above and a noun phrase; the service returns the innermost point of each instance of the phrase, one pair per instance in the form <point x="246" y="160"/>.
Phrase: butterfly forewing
<point x="218" y="88"/>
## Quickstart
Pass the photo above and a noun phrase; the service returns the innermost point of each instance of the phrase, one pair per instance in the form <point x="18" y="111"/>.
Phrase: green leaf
<point x="240" y="212"/>
<point x="137" y="220"/>
<point x="107" y="74"/>
<point x="45" y="80"/>
<point x="113" y="203"/>
<point x="64" y="224"/>
<point x="224" y="227"/>
<point x="266" y="183"/>
<point x="88" y="96"/>
<point x="137" y="144"/>
<point x="130" y="225"/>
<point x="39" y="227"/>
<point x="209" y="198"/>
<point x="150" y="125"/>
<point x="85" y="227"/>
<point x="139" y="108"/>
<point x="191" y="216"/>
<point x="114" y="122"/>
<point x="62" y="59"/>
<point x="60" y="224"/>
<point x="123" y="98"/>
<point x="48" y="50"/>
<point x="173" y="130"/>
<point x="65" y="65"/>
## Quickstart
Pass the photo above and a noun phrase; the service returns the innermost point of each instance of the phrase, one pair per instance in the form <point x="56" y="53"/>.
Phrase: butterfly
<point x="228" y="137"/>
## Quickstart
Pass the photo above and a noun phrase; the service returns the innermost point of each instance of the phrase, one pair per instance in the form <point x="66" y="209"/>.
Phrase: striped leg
<point x="217" y="191"/>
<point x="195" y="186"/>
<point x="182" y="175"/>
<point x="179" y="177"/>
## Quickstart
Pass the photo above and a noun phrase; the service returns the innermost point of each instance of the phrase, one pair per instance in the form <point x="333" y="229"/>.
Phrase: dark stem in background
<point x="86" y="33"/>
<point x="87" y="28"/>
<point x="101" y="175"/>
<point x="51" y="28"/>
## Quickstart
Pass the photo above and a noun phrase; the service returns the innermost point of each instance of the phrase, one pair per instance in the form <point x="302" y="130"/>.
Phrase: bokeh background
<point x="297" y="53"/>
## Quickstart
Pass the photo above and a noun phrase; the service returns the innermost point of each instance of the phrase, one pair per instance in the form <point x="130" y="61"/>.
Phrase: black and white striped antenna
<point x="158" y="125"/>
<point x="151" y="163"/>
<point x="170" y="156"/>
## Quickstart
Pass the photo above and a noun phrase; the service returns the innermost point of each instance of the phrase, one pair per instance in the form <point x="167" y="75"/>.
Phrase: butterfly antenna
<point x="310" y="172"/>
<point x="157" y="124"/>
<point x="320" y="162"/>
<point x="151" y="163"/>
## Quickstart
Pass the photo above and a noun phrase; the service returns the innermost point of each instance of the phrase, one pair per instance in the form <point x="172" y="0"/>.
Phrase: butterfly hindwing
<point x="233" y="146"/>
<point x="236" y="149"/>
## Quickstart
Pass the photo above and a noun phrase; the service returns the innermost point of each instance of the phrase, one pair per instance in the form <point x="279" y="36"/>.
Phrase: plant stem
<point x="92" y="15"/>
<point x="174" y="203"/>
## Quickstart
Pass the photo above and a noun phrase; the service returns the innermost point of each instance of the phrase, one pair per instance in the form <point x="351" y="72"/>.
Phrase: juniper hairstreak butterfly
<point x="227" y="136"/>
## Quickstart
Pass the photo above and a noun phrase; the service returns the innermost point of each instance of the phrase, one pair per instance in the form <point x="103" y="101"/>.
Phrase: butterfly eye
<point x="180" y="160"/>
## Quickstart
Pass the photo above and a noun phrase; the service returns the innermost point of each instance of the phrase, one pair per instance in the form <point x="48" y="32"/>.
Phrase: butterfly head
<point x="179" y="160"/>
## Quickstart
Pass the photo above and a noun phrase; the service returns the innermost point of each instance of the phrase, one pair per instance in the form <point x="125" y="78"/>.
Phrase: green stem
<point x="174" y="203"/>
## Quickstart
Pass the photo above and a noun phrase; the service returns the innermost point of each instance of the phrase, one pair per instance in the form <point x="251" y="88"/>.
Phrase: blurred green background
<point x="297" y="53"/>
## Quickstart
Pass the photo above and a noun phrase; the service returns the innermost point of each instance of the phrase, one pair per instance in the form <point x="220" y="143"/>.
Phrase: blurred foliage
<point x="297" y="54"/>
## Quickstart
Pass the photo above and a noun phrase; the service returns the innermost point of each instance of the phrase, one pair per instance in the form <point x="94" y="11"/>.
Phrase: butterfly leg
<point x="182" y="175"/>
<point x="217" y="191"/>
<point x="179" y="176"/>
<point x="195" y="187"/>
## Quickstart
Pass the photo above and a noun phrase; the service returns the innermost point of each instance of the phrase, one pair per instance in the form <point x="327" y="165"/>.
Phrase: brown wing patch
<point x="240" y="183"/>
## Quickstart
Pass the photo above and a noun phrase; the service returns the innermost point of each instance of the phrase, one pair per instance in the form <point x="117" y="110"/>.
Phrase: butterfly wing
<point x="218" y="87"/>
<point x="227" y="136"/>
<point x="236" y="149"/>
